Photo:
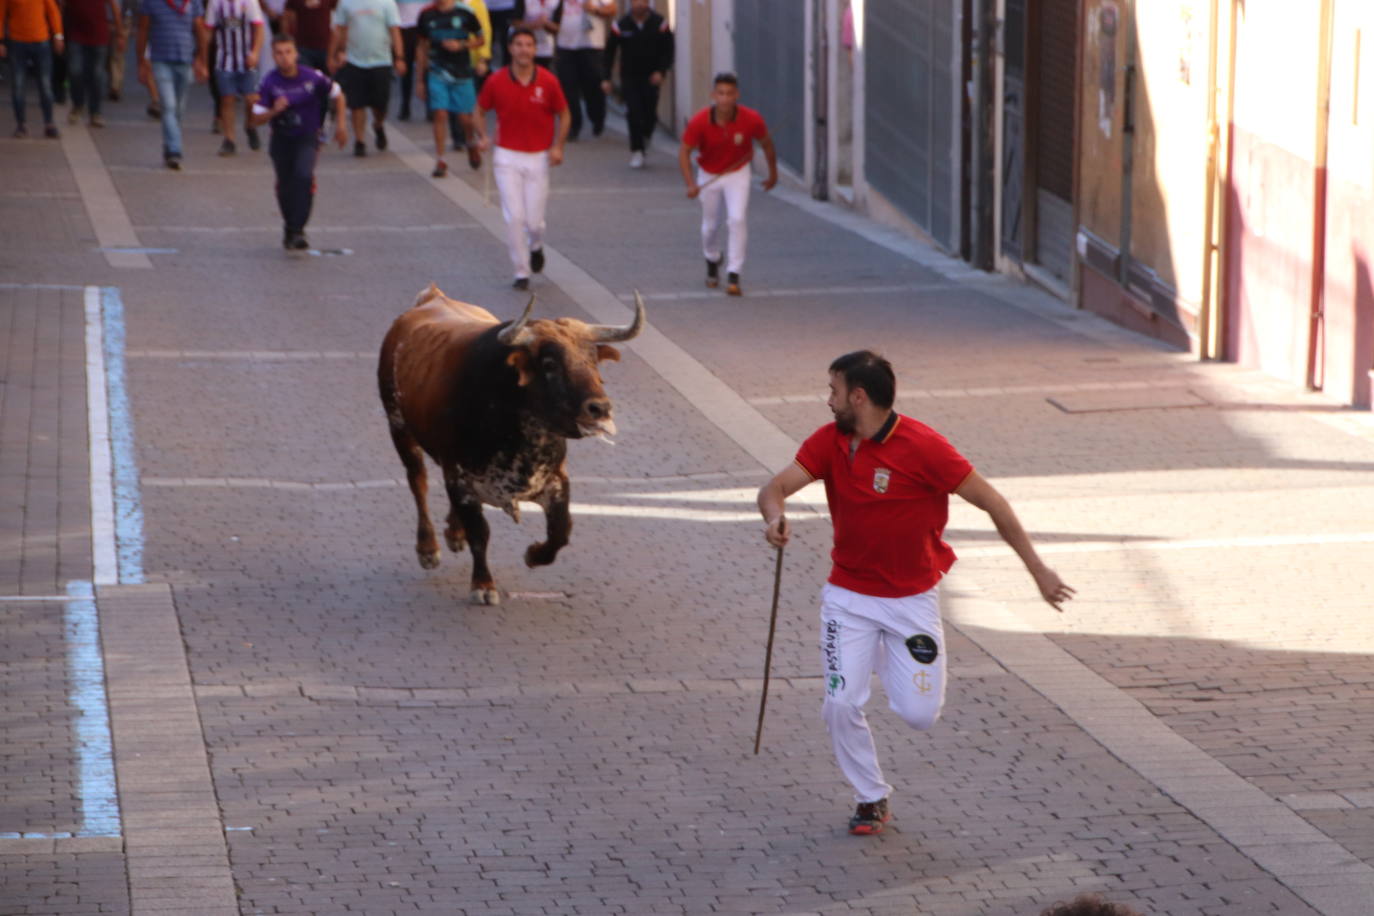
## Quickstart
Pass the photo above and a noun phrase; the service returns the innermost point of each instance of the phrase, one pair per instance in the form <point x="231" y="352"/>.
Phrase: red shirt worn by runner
<point x="889" y="504"/>
<point x="524" y="112"/>
<point x="724" y="147"/>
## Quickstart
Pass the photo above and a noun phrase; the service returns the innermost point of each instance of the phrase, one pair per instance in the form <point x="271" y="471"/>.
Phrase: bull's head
<point x="557" y="363"/>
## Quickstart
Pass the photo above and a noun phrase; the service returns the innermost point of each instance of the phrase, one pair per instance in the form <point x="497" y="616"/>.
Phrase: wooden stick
<point x="768" y="653"/>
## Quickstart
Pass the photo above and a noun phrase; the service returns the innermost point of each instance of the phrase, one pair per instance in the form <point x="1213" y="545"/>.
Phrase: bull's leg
<point x="426" y="547"/>
<point x="559" y="525"/>
<point x="454" y="535"/>
<point x="466" y="509"/>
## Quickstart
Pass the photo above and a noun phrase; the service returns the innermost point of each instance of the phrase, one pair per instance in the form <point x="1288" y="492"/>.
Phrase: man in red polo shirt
<point x="887" y="480"/>
<point x="724" y="133"/>
<point x="531" y="130"/>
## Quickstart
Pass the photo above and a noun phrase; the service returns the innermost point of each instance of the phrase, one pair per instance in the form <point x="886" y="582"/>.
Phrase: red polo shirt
<point x="889" y="504"/>
<point x="724" y="147"/>
<point x="524" y="112"/>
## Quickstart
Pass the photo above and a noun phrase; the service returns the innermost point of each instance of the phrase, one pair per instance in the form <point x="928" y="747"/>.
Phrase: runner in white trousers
<point x="724" y="134"/>
<point x="531" y="130"/>
<point x="887" y="481"/>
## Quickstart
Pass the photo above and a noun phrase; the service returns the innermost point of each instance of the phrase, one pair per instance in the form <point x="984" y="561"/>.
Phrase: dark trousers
<point x="86" y="65"/>
<point x="293" y="158"/>
<point x="24" y="54"/>
<point x="500" y="33"/>
<point x="410" y="40"/>
<point x="579" y="72"/>
<point x="641" y="111"/>
<point x="315" y="58"/>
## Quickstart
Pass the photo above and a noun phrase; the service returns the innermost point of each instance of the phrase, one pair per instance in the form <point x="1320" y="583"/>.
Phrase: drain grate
<point x="1133" y="399"/>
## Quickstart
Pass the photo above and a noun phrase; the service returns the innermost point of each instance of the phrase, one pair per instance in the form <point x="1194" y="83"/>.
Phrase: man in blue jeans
<point x="171" y="50"/>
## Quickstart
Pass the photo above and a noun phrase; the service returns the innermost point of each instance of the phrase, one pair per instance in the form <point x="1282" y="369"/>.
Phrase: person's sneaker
<point x="254" y="141"/>
<point x="636" y="160"/>
<point x="288" y="239"/>
<point x="227" y="148"/>
<point x="74" y="116"/>
<point x="154" y="110"/>
<point x="474" y="158"/>
<point x="50" y="131"/>
<point x="359" y="149"/>
<point x="732" y="285"/>
<point x="300" y="242"/>
<point x="113" y="95"/>
<point x="172" y="161"/>
<point x="869" y="818"/>
<point x="21" y="132"/>
<point x="379" y="135"/>
<point x="521" y="283"/>
<point x="713" y="274"/>
<point x="97" y="121"/>
<point x="598" y="128"/>
<point x="537" y="260"/>
<point x="440" y="169"/>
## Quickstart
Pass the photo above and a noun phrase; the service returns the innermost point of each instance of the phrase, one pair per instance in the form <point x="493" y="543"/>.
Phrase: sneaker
<point x="379" y="135"/>
<point x="300" y="242"/>
<point x="74" y="116"/>
<point x="537" y="260"/>
<point x="732" y="285"/>
<point x="636" y="160"/>
<point x="97" y="121"/>
<point x="712" y="274"/>
<point x="440" y="169"/>
<point x="21" y="132"/>
<point x="359" y="149"/>
<point x="254" y="141"/>
<point x="598" y="128"/>
<point x="474" y="158"/>
<point x="172" y="161"/>
<point x="227" y="148"/>
<point x="154" y="110"/>
<point x="50" y="131"/>
<point x="869" y="818"/>
<point x="113" y="95"/>
<point x="288" y="239"/>
<point x="521" y="283"/>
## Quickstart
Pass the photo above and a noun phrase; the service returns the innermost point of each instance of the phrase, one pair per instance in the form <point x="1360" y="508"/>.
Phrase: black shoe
<point x="113" y="95"/>
<point x="360" y="149"/>
<point x="172" y="161"/>
<point x="254" y="141"/>
<point x="154" y="110"/>
<point x="537" y="260"/>
<point x="50" y="131"/>
<point x="869" y="818"/>
<point x="288" y="239"/>
<point x="227" y="148"/>
<point x="404" y="115"/>
<point x="713" y="274"/>
<point x="521" y="283"/>
<point x="379" y="135"/>
<point x="300" y="242"/>
<point x="597" y="129"/>
<point x="732" y="285"/>
<point x="440" y="169"/>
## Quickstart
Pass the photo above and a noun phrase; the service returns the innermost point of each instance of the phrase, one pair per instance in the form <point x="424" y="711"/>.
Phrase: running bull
<point x="494" y="405"/>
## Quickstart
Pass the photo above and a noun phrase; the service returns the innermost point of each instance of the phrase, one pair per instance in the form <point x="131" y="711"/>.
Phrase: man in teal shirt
<point x="364" y="51"/>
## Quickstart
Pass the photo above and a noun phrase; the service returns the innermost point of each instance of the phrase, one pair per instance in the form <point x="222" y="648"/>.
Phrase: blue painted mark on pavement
<point x="86" y="675"/>
<point x="128" y="508"/>
<point x="119" y="249"/>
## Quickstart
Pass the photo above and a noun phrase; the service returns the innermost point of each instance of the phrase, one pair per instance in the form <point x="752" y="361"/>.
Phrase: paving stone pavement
<point x="348" y="735"/>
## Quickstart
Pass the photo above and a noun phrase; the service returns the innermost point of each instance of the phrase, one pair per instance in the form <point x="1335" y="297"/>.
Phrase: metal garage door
<point x="770" y="58"/>
<point x="911" y="138"/>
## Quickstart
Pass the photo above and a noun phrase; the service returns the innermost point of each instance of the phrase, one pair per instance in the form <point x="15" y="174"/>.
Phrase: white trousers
<point x="522" y="179"/>
<point x="725" y="202"/>
<point x="902" y="639"/>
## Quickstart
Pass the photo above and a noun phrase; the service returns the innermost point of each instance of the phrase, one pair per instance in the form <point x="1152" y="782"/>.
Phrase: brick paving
<point x="334" y="730"/>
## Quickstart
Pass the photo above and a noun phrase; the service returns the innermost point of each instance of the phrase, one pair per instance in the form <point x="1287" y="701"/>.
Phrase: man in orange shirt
<point x="28" y="26"/>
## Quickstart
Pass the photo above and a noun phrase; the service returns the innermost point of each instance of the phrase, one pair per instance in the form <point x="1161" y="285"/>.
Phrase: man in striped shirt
<point x="239" y="26"/>
<point x="170" y="51"/>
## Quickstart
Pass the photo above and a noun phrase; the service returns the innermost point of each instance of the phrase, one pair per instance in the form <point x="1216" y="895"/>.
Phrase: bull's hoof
<point x="428" y="560"/>
<point x="456" y="540"/>
<point x="540" y="555"/>
<point x="488" y="595"/>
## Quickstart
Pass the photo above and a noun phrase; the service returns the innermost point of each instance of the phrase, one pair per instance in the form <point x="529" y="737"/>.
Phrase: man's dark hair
<point x="1090" y="905"/>
<point x="869" y="371"/>
<point x="281" y="38"/>
<point x="725" y="76"/>
<point x="521" y="30"/>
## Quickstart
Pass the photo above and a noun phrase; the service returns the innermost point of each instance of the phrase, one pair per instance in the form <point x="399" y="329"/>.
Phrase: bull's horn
<point x="603" y="333"/>
<point x="515" y="333"/>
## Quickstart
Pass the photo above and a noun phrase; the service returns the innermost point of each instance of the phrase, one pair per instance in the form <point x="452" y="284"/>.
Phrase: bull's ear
<point x="519" y="360"/>
<point x="607" y="352"/>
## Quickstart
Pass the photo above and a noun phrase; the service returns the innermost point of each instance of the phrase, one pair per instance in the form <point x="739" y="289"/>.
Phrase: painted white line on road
<point x="795" y="292"/>
<point x="86" y="676"/>
<point x="113" y="229"/>
<point x="106" y="561"/>
<point x="1115" y="546"/>
<point x="128" y="501"/>
<point x="252" y="355"/>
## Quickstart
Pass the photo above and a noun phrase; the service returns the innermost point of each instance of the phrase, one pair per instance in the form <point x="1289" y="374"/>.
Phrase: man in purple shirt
<point x="293" y="98"/>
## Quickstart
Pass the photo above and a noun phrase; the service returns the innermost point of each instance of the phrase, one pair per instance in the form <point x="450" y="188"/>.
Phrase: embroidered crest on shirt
<point x="881" y="478"/>
<point x="739" y="139"/>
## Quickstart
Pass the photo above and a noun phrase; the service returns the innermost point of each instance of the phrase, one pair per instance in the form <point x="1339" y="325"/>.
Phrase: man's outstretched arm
<point x="982" y="494"/>
<point x="773" y="498"/>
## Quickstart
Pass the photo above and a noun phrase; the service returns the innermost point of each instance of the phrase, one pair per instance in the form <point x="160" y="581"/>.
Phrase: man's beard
<point x="844" y="421"/>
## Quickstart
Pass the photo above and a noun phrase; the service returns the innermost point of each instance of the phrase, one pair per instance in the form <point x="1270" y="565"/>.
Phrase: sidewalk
<point x="1180" y="739"/>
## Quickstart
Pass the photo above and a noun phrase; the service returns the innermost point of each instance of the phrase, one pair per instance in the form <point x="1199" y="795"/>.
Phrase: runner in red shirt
<point x="724" y="133"/>
<point x="531" y="129"/>
<point x="887" y="481"/>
